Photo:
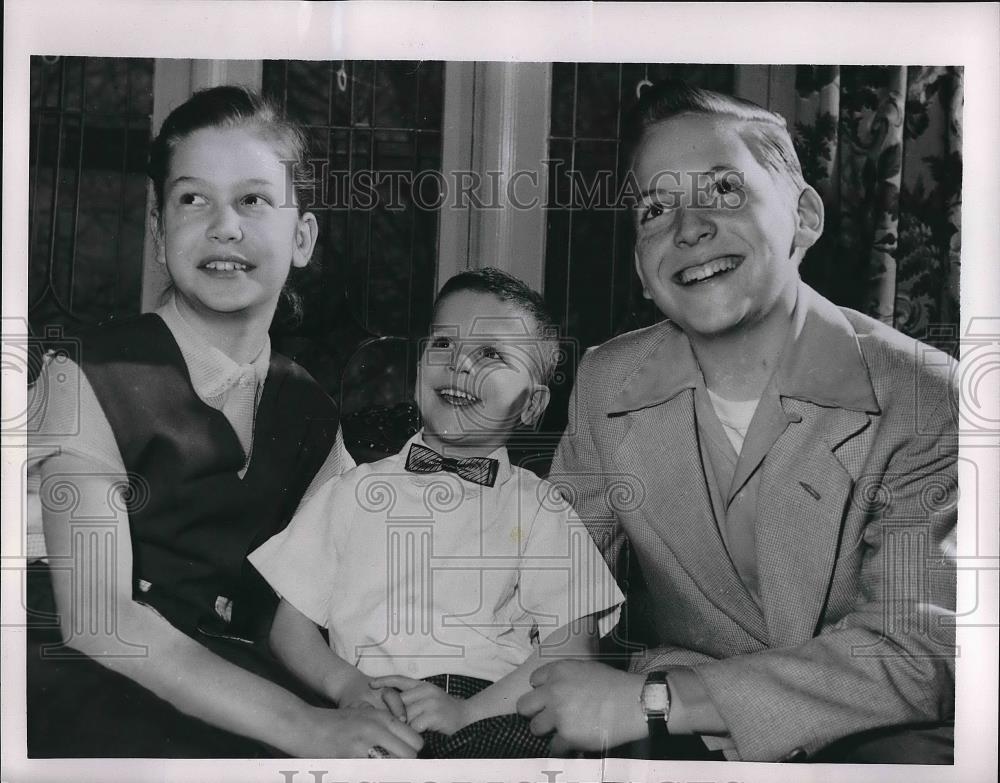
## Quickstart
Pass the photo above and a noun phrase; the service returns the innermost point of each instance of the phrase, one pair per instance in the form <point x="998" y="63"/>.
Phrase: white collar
<point x="212" y="372"/>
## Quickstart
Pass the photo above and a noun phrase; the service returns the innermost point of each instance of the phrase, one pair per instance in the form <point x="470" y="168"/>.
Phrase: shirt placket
<point x="240" y="409"/>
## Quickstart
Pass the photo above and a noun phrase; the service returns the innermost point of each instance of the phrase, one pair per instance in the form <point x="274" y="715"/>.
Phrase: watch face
<point x="655" y="698"/>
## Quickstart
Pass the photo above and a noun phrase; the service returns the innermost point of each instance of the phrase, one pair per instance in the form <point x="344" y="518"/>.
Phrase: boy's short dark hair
<point x="508" y="288"/>
<point x="764" y="132"/>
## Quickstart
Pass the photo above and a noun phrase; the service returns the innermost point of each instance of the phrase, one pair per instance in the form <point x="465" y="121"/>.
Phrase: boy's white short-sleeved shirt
<point x="423" y="574"/>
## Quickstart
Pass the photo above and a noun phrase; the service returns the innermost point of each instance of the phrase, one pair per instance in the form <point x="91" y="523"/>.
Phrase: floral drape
<point x="883" y="146"/>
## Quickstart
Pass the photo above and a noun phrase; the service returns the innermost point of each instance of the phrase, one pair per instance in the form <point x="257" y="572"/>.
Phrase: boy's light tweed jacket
<point x="855" y="529"/>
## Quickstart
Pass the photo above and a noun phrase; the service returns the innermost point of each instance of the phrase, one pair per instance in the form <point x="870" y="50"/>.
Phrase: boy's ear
<point x="808" y="218"/>
<point x="306" y="232"/>
<point x="156" y="232"/>
<point x="536" y="405"/>
<point x="638" y="269"/>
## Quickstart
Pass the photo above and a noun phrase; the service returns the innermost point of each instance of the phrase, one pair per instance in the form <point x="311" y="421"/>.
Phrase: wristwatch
<point x="655" y="703"/>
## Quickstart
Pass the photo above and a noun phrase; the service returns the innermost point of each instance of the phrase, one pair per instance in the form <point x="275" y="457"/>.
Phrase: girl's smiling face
<point x="229" y="231"/>
<point x="478" y="377"/>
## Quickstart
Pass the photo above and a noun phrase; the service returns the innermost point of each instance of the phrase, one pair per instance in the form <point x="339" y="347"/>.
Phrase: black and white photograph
<point x="545" y="392"/>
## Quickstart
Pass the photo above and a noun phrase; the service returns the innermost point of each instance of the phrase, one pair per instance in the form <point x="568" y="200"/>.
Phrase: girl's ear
<point x="306" y="232"/>
<point x="156" y="232"/>
<point x="536" y="405"/>
<point x="808" y="219"/>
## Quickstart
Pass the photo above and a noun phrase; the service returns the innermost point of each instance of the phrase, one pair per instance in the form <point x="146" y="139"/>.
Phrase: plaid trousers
<point x="499" y="737"/>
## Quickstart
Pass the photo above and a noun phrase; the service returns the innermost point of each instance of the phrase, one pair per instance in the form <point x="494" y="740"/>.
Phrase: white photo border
<point x="775" y="33"/>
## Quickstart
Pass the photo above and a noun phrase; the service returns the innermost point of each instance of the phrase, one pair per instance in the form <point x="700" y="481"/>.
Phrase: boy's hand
<point x="588" y="705"/>
<point x="359" y="693"/>
<point x="428" y="708"/>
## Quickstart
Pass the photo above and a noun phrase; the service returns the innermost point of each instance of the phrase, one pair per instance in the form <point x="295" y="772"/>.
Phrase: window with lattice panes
<point x="369" y="125"/>
<point x="90" y="130"/>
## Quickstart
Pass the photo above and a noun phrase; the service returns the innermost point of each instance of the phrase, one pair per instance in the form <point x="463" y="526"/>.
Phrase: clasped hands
<point x="585" y="705"/>
<point x="419" y="704"/>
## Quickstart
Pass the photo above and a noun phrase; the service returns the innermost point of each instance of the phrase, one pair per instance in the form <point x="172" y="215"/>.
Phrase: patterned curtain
<point x="883" y="146"/>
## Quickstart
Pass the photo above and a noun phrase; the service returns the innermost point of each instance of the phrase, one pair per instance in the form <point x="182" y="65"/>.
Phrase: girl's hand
<point x="428" y="708"/>
<point x="352" y="733"/>
<point x="359" y="693"/>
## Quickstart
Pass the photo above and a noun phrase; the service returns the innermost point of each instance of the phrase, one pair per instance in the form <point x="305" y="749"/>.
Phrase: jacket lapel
<point x="804" y="494"/>
<point x="661" y="450"/>
<point x="826" y="393"/>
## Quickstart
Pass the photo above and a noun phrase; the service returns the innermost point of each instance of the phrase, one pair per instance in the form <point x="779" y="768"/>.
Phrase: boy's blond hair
<point x="764" y="132"/>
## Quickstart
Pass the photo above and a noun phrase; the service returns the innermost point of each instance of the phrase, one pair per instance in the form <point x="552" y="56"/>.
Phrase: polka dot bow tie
<point x="478" y="470"/>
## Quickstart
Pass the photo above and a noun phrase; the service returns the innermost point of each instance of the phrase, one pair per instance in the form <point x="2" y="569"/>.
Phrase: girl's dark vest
<point x="192" y="519"/>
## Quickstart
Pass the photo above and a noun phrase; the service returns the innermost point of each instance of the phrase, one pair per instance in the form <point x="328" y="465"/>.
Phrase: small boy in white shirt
<point x="443" y="574"/>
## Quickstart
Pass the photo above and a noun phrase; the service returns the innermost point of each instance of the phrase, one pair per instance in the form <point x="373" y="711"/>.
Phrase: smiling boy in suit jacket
<point x="791" y="476"/>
